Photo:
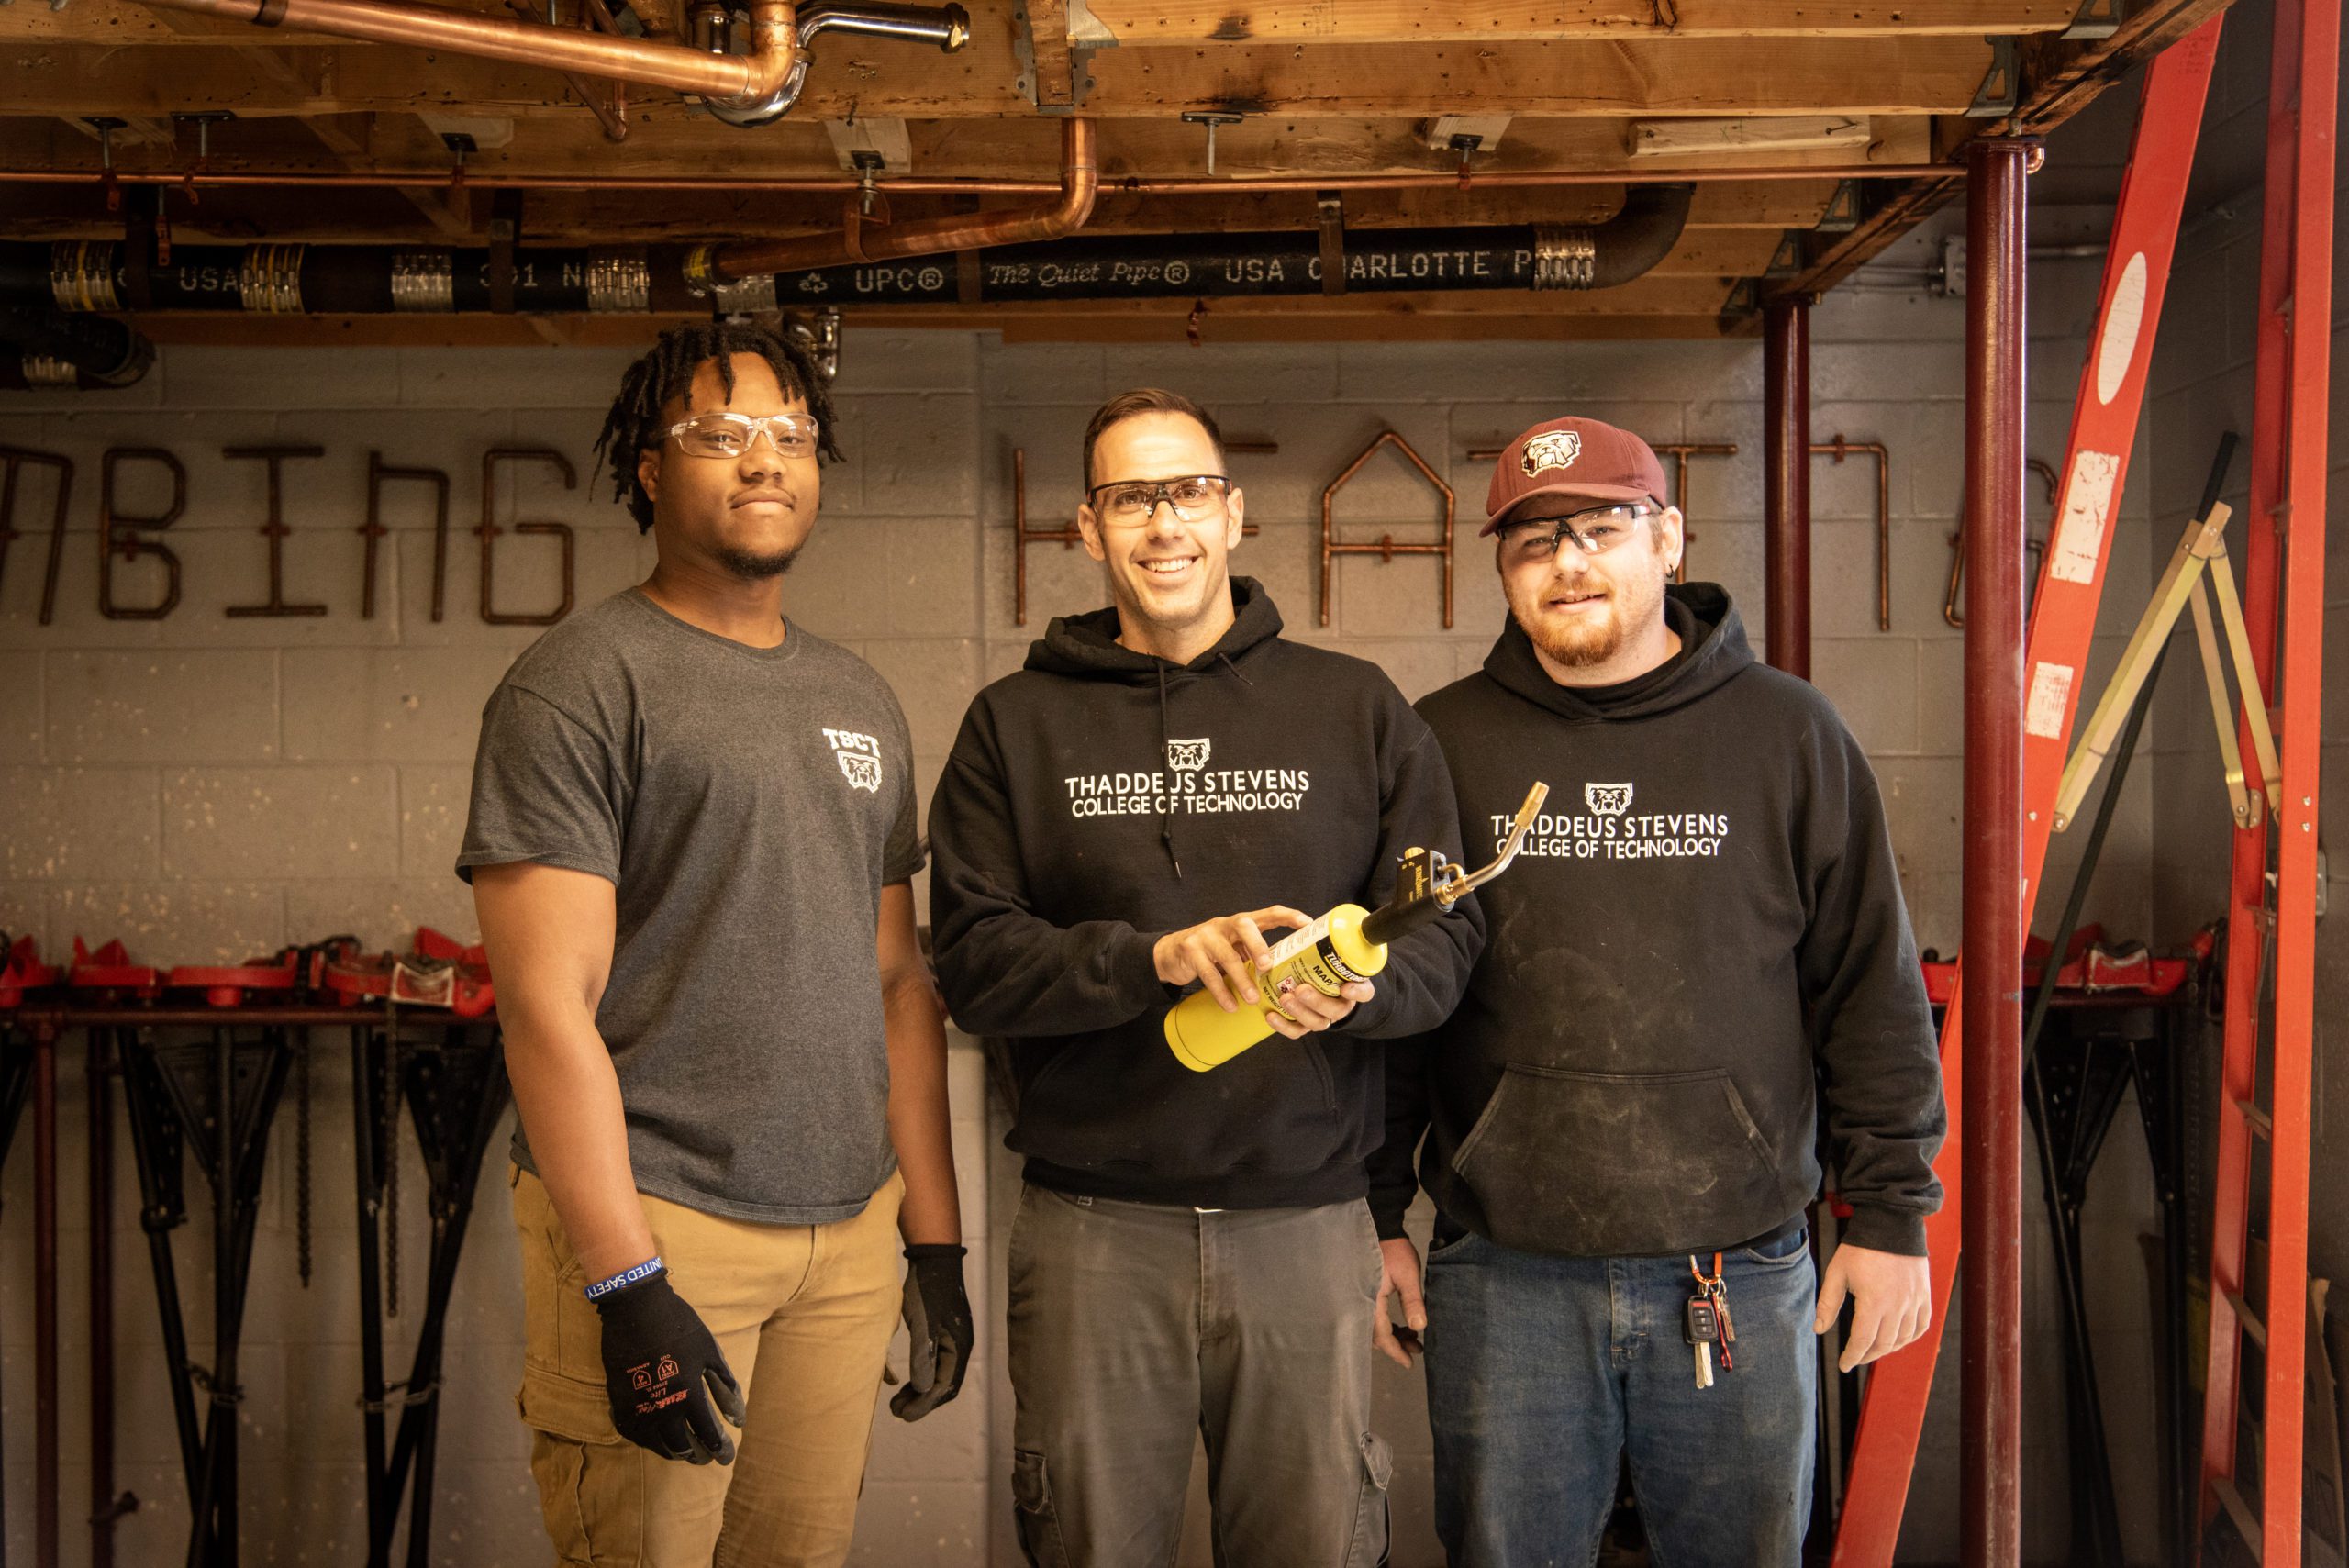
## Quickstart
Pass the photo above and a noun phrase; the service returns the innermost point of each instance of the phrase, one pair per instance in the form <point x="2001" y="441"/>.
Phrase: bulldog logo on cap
<point x="1552" y="449"/>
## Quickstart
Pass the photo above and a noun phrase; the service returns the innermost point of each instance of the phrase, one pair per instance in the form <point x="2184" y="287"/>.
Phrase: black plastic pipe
<point x="356" y="280"/>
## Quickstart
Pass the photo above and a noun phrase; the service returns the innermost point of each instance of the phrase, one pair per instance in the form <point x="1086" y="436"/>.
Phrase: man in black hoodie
<point x="1193" y="1254"/>
<point x="1703" y="941"/>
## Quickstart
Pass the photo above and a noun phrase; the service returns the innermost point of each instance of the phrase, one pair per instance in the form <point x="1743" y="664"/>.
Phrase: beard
<point x="753" y="565"/>
<point x="1576" y="644"/>
<point x="1579" y="646"/>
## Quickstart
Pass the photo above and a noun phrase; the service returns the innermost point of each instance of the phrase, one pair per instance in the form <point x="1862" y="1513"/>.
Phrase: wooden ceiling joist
<point x="1597" y="96"/>
<point x="1573" y="79"/>
<point x="1147" y="24"/>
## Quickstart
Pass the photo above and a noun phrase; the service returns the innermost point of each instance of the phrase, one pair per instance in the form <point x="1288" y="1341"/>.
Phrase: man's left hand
<point x="938" y="1319"/>
<point x="1310" y="1011"/>
<point x="1892" y="1301"/>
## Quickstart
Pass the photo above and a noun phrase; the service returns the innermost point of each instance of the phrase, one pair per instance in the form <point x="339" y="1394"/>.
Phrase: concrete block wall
<point x="209" y="788"/>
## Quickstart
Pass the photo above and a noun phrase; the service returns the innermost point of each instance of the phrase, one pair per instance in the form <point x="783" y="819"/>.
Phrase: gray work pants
<point x="1133" y="1326"/>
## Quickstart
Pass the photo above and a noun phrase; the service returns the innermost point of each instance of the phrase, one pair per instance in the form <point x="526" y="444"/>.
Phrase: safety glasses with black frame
<point x="1593" y="530"/>
<point x="1130" y="503"/>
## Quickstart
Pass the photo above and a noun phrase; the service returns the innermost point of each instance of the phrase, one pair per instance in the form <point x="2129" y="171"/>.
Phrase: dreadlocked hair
<point x="635" y="422"/>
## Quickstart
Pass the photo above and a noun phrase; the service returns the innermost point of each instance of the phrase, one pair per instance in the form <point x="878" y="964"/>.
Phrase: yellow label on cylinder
<point x="1324" y="956"/>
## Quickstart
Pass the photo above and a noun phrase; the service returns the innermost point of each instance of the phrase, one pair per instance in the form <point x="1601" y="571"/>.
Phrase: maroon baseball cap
<point x="1573" y="457"/>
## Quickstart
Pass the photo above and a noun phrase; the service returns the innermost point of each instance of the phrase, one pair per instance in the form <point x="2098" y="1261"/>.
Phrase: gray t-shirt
<point x="747" y="805"/>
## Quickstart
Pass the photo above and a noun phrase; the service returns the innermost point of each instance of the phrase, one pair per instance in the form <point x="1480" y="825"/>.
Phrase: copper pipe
<point x="1385" y="549"/>
<point x="727" y="81"/>
<point x="1839" y="449"/>
<point x="489" y="530"/>
<point x="861" y="241"/>
<point x="1136" y="185"/>
<point x="2034" y="548"/>
<point x="1995" y="924"/>
<point x="1786" y="456"/>
<point x="275" y="531"/>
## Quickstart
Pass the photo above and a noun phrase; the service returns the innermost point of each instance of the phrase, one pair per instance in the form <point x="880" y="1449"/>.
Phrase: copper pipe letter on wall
<point x="489" y="530"/>
<point x="275" y="530"/>
<point x="1386" y="549"/>
<point x="116" y="537"/>
<point x="1839" y="449"/>
<point x="12" y="461"/>
<point x="373" y="530"/>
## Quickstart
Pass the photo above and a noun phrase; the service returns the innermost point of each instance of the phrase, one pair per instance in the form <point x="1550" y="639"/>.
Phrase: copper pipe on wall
<point x="731" y="81"/>
<point x="862" y="241"/>
<point x="1994" y="922"/>
<point x="1385" y="548"/>
<point x="1785" y="460"/>
<point x="2034" y="548"/>
<point x="917" y="186"/>
<point x="1839" y="449"/>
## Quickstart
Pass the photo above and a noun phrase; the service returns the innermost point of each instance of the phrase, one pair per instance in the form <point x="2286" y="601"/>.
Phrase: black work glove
<point x="657" y="1355"/>
<point x="938" y="1320"/>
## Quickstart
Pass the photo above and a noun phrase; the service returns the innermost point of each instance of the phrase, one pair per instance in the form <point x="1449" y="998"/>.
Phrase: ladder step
<point x="2259" y="1120"/>
<point x="2247" y="1522"/>
<point x="2246" y="1316"/>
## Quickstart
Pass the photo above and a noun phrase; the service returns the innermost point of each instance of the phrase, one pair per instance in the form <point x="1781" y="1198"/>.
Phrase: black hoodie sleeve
<point x="1394" y="1179"/>
<point x="1427" y="971"/>
<point x="1870" y="1019"/>
<point x="1006" y="971"/>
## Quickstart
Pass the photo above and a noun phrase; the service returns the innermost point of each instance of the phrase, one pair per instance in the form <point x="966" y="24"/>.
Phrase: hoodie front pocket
<point x="1615" y="1163"/>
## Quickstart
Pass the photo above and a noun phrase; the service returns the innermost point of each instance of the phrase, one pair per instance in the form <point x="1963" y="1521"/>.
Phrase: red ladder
<point x="2104" y="426"/>
<point x="2284" y="571"/>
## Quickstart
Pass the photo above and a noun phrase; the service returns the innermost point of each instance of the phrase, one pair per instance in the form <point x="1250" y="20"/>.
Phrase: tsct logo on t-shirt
<point x="859" y="758"/>
<point x="1613" y="831"/>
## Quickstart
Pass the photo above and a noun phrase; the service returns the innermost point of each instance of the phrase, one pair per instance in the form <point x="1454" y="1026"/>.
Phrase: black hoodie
<point x="1703" y="938"/>
<point x="1099" y="798"/>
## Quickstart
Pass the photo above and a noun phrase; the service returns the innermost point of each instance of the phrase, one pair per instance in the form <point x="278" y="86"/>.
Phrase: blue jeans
<point x="1544" y="1373"/>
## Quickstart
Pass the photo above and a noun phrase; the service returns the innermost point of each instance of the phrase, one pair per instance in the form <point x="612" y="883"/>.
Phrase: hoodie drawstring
<point x="1166" y="801"/>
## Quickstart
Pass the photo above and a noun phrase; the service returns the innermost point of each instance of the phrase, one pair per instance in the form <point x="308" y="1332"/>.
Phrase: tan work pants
<point x="804" y="1314"/>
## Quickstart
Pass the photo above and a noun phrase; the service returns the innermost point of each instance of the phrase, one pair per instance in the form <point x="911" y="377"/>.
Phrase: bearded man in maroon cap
<point x="1699" y="964"/>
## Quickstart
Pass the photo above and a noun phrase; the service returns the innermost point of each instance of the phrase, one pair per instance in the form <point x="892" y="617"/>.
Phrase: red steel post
<point x="1990" y="1399"/>
<point x="46" y="1522"/>
<point x="1786" y="461"/>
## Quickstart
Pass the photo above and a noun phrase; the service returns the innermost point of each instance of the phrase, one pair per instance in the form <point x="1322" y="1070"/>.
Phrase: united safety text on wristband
<point x="644" y="1270"/>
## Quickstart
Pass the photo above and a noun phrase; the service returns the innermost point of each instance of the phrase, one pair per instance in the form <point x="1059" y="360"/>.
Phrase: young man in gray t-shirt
<point x="690" y="845"/>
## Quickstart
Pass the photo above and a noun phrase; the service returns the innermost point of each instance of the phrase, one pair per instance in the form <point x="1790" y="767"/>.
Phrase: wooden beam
<point x="1052" y="76"/>
<point x="1695" y="139"/>
<point x="136" y="130"/>
<point x="1573" y="79"/>
<point x="1146" y="24"/>
<point x="1741" y="246"/>
<point x="671" y="141"/>
<point x="1141" y="24"/>
<point x="2062" y="82"/>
